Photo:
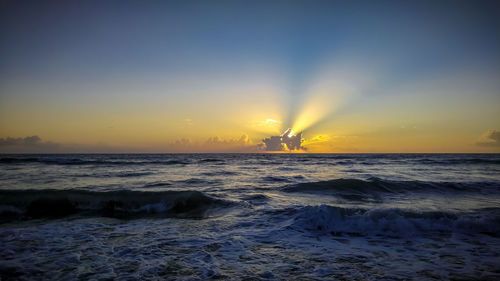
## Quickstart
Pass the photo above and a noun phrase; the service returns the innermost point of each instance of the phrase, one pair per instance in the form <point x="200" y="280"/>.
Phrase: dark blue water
<point x="250" y="216"/>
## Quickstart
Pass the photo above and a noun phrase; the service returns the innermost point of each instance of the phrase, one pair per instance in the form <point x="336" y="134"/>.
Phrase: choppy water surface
<point x="250" y="216"/>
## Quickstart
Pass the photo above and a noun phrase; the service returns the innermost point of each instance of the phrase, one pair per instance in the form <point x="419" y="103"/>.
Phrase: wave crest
<point x="374" y="188"/>
<point x="339" y="221"/>
<point x="121" y="204"/>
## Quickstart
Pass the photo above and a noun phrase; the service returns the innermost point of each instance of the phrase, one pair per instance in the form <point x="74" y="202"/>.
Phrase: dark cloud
<point x="490" y="138"/>
<point x="285" y="142"/>
<point x="27" y="141"/>
<point x="273" y="143"/>
<point x="34" y="144"/>
<point x="30" y="144"/>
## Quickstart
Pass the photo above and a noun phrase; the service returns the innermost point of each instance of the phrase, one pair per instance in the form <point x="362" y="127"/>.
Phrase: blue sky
<point x="62" y="53"/>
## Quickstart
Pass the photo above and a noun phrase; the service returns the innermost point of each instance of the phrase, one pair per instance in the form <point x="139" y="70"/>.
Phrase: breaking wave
<point x="121" y="204"/>
<point x="338" y="221"/>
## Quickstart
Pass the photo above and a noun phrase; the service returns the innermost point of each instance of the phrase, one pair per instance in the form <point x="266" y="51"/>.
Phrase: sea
<point x="281" y="216"/>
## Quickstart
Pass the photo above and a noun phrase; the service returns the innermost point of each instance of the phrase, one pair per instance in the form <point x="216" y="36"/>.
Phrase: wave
<point x="424" y="158"/>
<point x="211" y="160"/>
<point x="124" y="174"/>
<point x="338" y="185"/>
<point x="157" y="184"/>
<point x="339" y="221"/>
<point x="457" y="161"/>
<point x="219" y="173"/>
<point x="275" y="179"/>
<point x="133" y="174"/>
<point x="362" y="159"/>
<point x="257" y="199"/>
<point x="8" y="160"/>
<point x="197" y="182"/>
<point x="345" y="162"/>
<point x="79" y="161"/>
<point x="356" y="189"/>
<point x="121" y="204"/>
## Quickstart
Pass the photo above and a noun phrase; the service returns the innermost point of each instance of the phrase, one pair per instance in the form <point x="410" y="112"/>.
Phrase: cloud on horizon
<point x="35" y="144"/>
<point x="214" y="144"/>
<point x="284" y="142"/>
<point x="30" y="144"/>
<point x="490" y="138"/>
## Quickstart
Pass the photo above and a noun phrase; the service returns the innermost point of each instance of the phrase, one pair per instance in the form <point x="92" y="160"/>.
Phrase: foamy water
<point x="250" y="216"/>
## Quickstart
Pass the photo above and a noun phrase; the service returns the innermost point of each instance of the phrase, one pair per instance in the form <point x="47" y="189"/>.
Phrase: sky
<point x="220" y="76"/>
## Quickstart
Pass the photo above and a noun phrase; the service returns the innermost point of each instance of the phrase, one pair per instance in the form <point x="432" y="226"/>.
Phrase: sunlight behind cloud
<point x="315" y="108"/>
<point x="266" y="126"/>
<point x="334" y="85"/>
<point x="329" y="91"/>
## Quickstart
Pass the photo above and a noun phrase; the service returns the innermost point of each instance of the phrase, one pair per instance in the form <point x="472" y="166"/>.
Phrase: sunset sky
<point x="219" y="76"/>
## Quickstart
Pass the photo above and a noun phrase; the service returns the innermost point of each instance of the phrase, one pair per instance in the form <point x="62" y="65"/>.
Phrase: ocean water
<point x="250" y="217"/>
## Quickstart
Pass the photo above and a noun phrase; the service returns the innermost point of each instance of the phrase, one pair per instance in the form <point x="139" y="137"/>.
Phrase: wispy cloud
<point x="490" y="138"/>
